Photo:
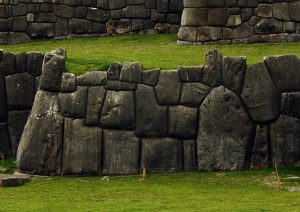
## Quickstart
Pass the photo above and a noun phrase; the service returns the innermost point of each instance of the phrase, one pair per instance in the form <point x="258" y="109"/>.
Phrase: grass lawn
<point x="233" y="191"/>
<point x="88" y="54"/>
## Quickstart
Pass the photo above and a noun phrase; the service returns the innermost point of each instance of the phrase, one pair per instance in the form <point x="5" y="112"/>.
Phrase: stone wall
<point x="22" y="20"/>
<point x="19" y="76"/>
<point x="239" y="21"/>
<point x="221" y="115"/>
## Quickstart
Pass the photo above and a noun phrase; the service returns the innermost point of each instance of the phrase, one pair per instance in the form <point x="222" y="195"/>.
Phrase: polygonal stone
<point x="114" y="71"/>
<point x="82" y="148"/>
<point x="53" y="68"/>
<point x="284" y="72"/>
<point x="193" y="94"/>
<point x="131" y="72"/>
<point x="118" y="111"/>
<point x="168" y="88"/>
<point x="40" y="146"/>
<point x="95" y="102"/>
<point x="34" y="63"/>
<point x="190" y="74"/>
<point x="121" y="152"/>
<point x="260" y="153"/>
<point x="7" y="64"/>
<point x="151" y="119"/>
<point x="68" y="83"/>
<point x="92" y="78"/>
<point x="73" y="105"/>
<point x="211" y="74"/>
<point x="285" y="141"/>
<point x="260" y="95"/>
<point x="5" y="147"/>
<point x="150" y="77"/>
<point x="290" y="104"/>
<point x="20" y="91"/>
<point x="190" y="159"/>
<point x="225" y="132"/>
<point x="162" y="155"/>
<point x="15" y="124"/>
<point x="3" y="109"/>
<point x="183" y="122"/>
<point x="233" y="72"/>
<point x="120" y="86"/>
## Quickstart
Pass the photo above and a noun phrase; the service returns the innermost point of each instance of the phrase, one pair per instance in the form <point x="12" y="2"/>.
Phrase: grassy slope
<point x="150" y="50"/>
<point x="235" y="191"/>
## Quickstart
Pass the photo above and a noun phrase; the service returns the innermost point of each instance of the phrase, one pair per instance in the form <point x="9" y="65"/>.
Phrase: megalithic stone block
<point x="226" y="133"/>
<point x="39" y="151"/>
<point x="5" y="147"/>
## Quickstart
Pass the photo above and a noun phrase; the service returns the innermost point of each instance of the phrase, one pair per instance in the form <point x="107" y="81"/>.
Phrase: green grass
<point x="88" y="54"/>
<point x="7" y="166"/>
<point x="202" y="191"/>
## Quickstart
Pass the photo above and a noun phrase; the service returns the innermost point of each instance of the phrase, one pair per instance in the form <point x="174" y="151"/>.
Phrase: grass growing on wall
<point x="88" y="54"/>
<point x="203" y="191"/>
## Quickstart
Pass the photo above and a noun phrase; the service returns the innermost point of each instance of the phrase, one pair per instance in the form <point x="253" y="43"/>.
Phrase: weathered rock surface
<point x="162" y="155"/>
<point x="193" y="94"/>
<point x="131" y="72"/>
<point x="121" y="153"/>
<point x="261" y="148"/>
<point x="92" y="78"/>
<point x="290" y="104"/>
<point x="13" y="180"/>
<point x="190" y="155"/>
<point x="3" y="107"/>
<point x="211" y="74"/>
<point x="168" y="88"/>
<point x="5" y="146"/>
<point x="81" y="148"/>
<point x="95" y="102"/>
<point x="40" y="148"/>
<point x="118" y="111"/>
<point x="260" y="95"/>
<point x="183" y="122"/>
<point x="68" y="83"/>
<point x="151" y="119"/>
<point x="285" y="141"/>
<point x="225" y="132"/>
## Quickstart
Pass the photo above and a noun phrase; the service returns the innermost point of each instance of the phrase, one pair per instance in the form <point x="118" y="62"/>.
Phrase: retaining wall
<point x="219" y="116"/>
<point x="22" y="20"/>
<point x="239" y="21"/>
<point x="19" y="76"/>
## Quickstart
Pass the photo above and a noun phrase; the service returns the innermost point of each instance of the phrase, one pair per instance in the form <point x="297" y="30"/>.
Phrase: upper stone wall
<point x="239" y="21"/>
<point x="22" y="20"/>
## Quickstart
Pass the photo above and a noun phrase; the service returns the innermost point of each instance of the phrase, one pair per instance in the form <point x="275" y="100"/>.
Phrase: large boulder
<point x="211" y="74"/>
<point x="260" y="95"/>
<point x="121" y="152"/>
<point x="118" y="110"/>
<point x="151" y="119"/>
<point x="225" y="132"/>
<point x="290" y="104"/>
<point x="193" y="94"/>
<point x="285" y="141"/>
<point x="162" y="155"/>
<point x="93" y="78"/>
<point x="39" y="151"/>
<point x="82" y="148"/>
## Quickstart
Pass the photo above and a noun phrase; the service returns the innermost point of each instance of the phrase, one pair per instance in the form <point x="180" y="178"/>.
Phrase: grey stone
<point x="95" y="101"/>
<point x="73" y="105"/>
<point x="39" y="151"/>
<point x="81" y="148"/>
<point x="260" y="153"/>
<point x="114" y="71"/>
<point x="3" y="107"/>
<point x="15" y="124"/>
<point x="68" y="83"/>
<point x="131" y="72"/>
<point x="290" y="104"/>
<point x="151" y="119"/>
<point x="225" y="132"/>
<point x="285" y="136"/>
<point x="5" y="146"/>
<point x="211" y="74"/>
<point x="150" y="77"/>
<point x="121" y="153"/>
<point x="7" y="64"/>
<point x="233" y="72"/>
<point x="260" y="95"/>
<point x="120" y="86"/>
<point x="53" y="68"/>
<point x="284" y="72"/>
<point x="35" y="63"/>
<point x="193" y="94"/>
<point x="19" y="91"/>
<point x="190" y="74"/>
<point x="13" y="180"/>
<point x="21" y="60"/>
<point x="183" y="122"/>
<point x="92" y="78"/>
<point x="168" y="88"/>
<point x="162" y="155"/>
<point x="190" y="155"/>
<point x="118" y="111"/>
